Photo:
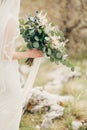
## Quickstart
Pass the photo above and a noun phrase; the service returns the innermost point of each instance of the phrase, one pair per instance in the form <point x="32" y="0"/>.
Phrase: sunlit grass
<point x="30" y="121"/>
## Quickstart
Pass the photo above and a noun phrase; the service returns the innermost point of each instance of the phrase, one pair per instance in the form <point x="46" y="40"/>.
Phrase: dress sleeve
<point x="10" y="35"/>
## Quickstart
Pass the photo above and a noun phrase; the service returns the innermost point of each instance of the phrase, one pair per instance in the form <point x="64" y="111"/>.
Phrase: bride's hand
<point x="27" y="54"/>
<point x="34" y="53"/>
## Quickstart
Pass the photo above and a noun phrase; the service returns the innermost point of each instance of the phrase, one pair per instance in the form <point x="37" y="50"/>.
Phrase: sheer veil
<point x="7" y="8"/>
<point x="30" y="81"/>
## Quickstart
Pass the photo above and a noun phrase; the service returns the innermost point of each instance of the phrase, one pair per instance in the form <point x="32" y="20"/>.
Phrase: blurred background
<point x="69" y="15"/>
<point x="71" y="18"/>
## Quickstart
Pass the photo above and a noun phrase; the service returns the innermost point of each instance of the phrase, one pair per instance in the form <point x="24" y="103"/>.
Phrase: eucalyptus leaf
<point x="58" y="55"/>
<point x="51" y="59"/>
<point x="21" y="30"/>
<point x="39" y="31"/>
<point x="36" y="45"/>
<point x="29" y="46"/>
<point x="57" y="61"/>
<point x="32" y="19"/>
<point x="44" y="49"/>
<point x="25" y="40"/>
<point x="49" y="51"/>
<point x="47" y="38"/>
<point x="32" y="32"/>
<point x="26" y="32"/>
<point x="36" y="38"/>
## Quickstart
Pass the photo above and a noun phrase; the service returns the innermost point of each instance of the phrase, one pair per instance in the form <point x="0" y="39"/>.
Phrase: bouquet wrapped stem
<point x="29" y="61"/>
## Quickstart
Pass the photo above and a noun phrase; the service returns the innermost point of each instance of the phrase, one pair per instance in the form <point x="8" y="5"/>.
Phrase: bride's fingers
<point x="39" y="54"/>
<point x="35" y="53"/>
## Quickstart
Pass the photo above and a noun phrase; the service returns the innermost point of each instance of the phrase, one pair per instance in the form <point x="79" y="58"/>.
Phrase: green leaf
<point x="32" y="19"/>
<point x="39" y="31"/>
<point x="29" y="46"/>
<point x="36" y="45"/>
<point x="57" y="61"/>
<point x="26" y="32"/>
<point x="51" y="59"/>
<point x="21" y="30"/>
<point x="36" y="38"/>
<point x="58" y="55"/>
<point x="44" y="49"/>
<point x="25" y="39"/>
<point x="32" y="32"/>
<point x="49" y="51"/>
<point x="47" y="38"/>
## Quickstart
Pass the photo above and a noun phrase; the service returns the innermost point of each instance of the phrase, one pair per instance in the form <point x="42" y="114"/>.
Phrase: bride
<point x="10" y="87"/>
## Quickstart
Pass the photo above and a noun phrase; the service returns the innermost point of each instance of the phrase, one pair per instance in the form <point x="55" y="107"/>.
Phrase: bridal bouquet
<point x="38" y="33"/>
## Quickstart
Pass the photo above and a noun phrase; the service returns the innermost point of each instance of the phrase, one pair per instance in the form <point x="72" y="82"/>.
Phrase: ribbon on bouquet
<point x="30" y="80"/>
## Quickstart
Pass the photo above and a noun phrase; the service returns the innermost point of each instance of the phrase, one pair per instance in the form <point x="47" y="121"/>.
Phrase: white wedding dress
<point x="10" y="86"/>
<point x="12" y="97"/>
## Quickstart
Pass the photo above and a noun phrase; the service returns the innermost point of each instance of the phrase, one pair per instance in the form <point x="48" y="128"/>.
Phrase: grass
<point x="29" y="121"/>
<point x="77" y="109"/>
<point x="43" y="75"/>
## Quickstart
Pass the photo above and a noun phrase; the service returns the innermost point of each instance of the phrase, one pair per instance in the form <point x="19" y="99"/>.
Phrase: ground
<point x="76" y="87"/>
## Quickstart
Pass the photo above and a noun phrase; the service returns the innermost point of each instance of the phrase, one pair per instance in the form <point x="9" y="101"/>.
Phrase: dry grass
<point x="29" y="121"/>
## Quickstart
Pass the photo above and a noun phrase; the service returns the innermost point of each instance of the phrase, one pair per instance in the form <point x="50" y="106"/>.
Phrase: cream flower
<point x="42" y="18"/>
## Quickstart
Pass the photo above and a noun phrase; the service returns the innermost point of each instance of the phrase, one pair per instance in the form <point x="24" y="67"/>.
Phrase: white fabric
<point x="10" y="96"/>
<point x="8" y="9"/>
<point x="10" y="87"/>
<point x="11" y="100"/>
<point x="30" y="81"/>
<point x="8" y="38"/>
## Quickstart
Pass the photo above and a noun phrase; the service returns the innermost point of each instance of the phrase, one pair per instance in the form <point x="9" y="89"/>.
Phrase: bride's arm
<point x="27" y="54"/>
<point x="9" y="34"/>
